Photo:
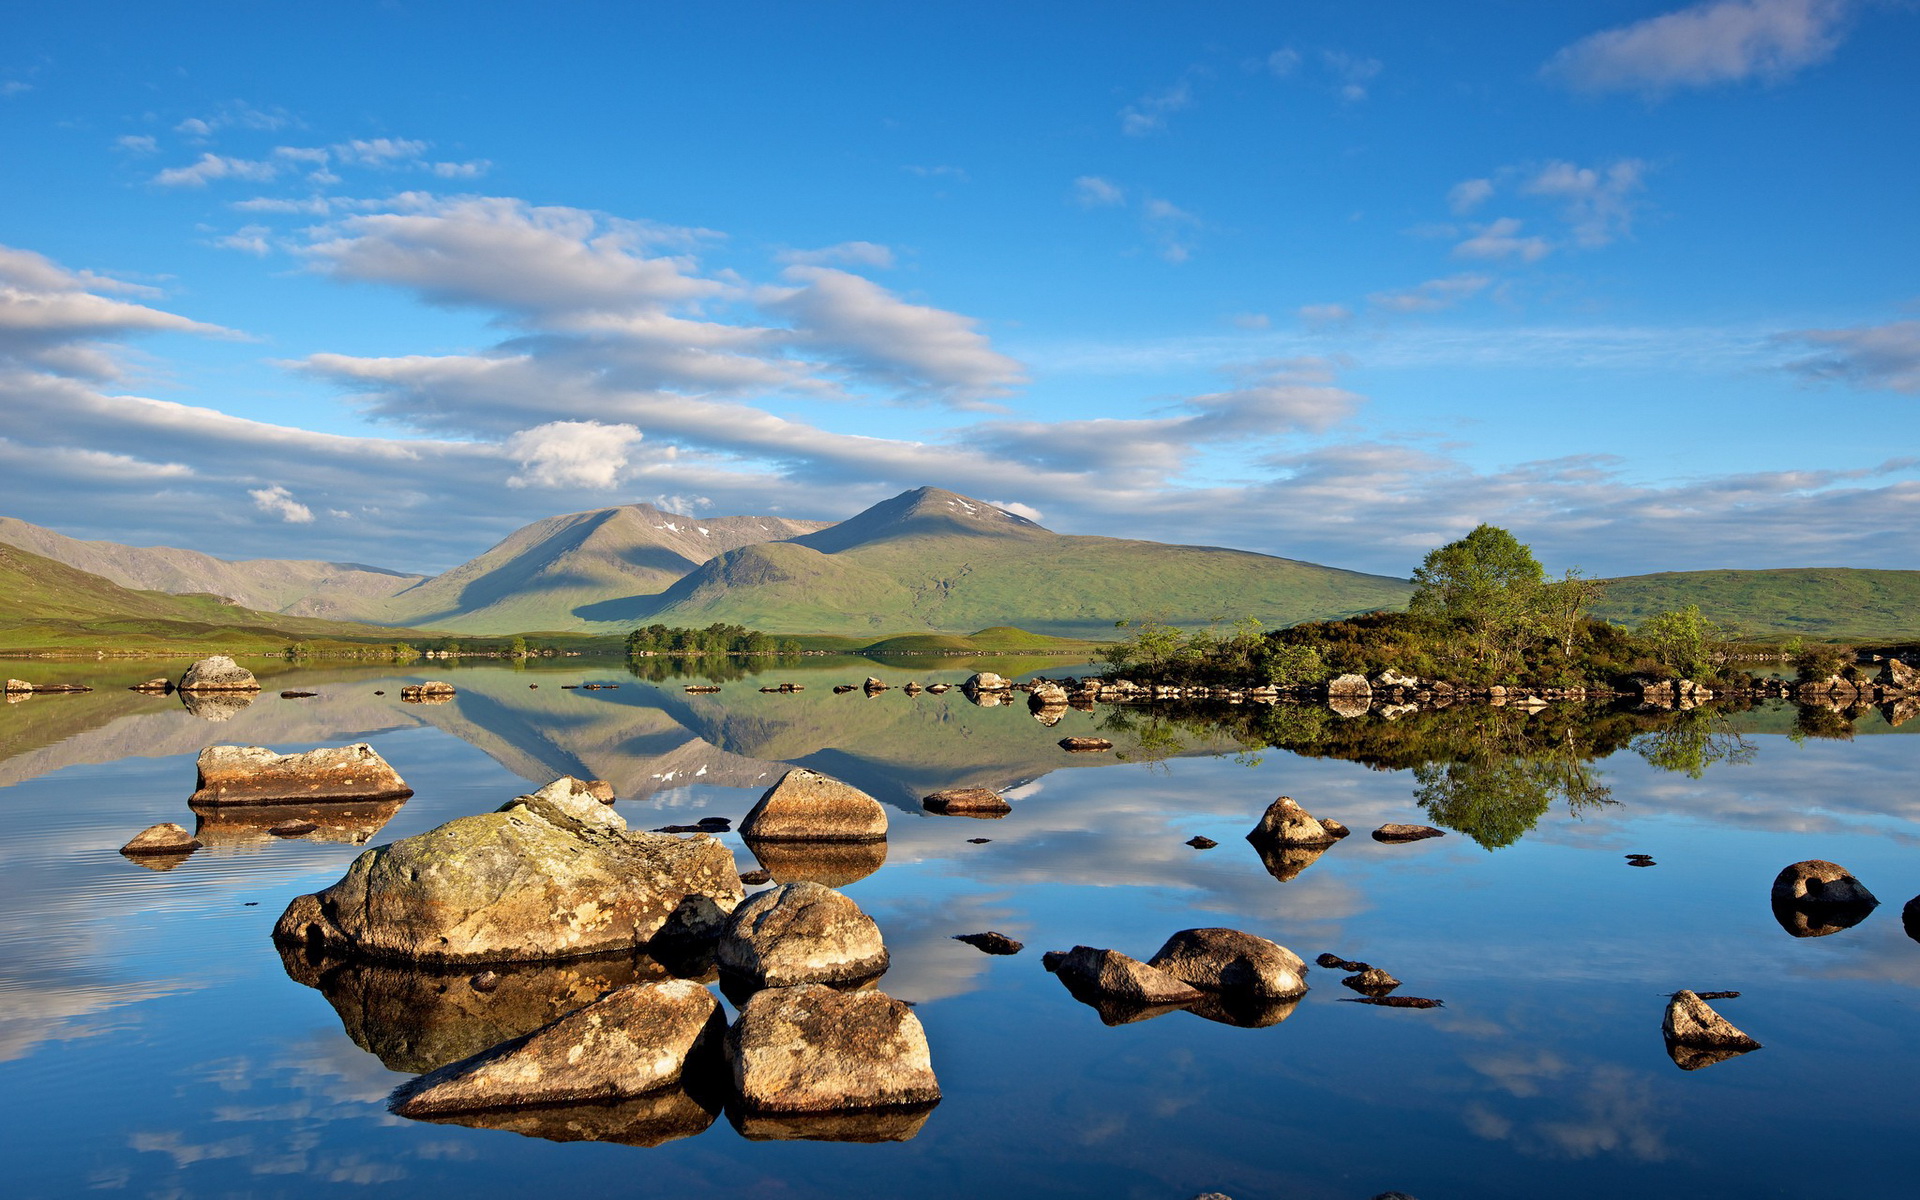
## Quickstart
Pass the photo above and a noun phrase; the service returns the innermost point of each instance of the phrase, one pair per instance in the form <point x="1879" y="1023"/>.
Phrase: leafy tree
<point x="1563" y="606"/>
<point x="1682" y="640"/>
<point x="1490" y="584"/>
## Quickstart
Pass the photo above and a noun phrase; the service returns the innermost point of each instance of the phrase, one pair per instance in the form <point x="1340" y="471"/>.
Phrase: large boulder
<point x="1229" y="961"/>
<point x="1285" y="823"/>
<point x="986" y="681"/>
<point x="1046" y="694"/>
<point x="806" y="806"/>
<point x="256" y="775"/>
<point x="1897" y="676"/>
<point x="800" y="933"/>
<point x="1817" y="881"/>
<point x="632" y="1041"/>
<point x="218" y="674"/>
<point x="812" y="1048"/>
<point x="1350" y="686"/>
<point x="526" y="883"/>
<point x="1110" y="975"/>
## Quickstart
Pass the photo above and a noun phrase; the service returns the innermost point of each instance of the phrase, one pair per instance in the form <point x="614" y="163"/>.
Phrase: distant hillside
<point x="933" y="560"/>
<point x="44" y="603"/>
<point x="577" y="571"/>
<point x="1837" y="603"/>
<point x="339" y="591"/>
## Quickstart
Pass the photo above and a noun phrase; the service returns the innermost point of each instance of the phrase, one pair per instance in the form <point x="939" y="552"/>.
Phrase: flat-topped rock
<point x="800" y="933"/>
<point x="218" y="674"/>
<point x="814" y="1049"/>
<point x="522" y="884"/>
<point x="634" y="1040"/>
<point x="1392" y="833"/>
<point x="967" y="802"/>
<point x="806" y="806"/>
<point x="257" y="775"/>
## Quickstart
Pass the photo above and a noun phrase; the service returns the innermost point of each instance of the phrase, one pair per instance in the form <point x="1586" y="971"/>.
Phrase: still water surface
<point x="152" y="1041"/>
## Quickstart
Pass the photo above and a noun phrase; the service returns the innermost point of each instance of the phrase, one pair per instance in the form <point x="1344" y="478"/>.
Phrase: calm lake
<point x="153" y="1040"/>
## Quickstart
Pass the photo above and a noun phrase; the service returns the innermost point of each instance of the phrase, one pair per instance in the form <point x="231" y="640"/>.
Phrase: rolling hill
<point x="1822" y="603"/>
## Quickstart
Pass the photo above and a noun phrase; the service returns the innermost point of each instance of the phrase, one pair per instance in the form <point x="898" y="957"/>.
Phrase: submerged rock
<point x="1371" y="981"/>
<point x="1285" y="823"/>
<point x="991" y="942"/>
<point x="814" y="1049"/>
<point x="806" y="806"/>
<point x="160" y="686"/>
<point x="631" y="1041"/>
<point x="218" y="673"/>
<point x="1697" y="1036"/>
<point x="256" y="775"/>
<point x="800" y="933"/>
<point x="349" y="822"/>
<point x="1111" y="975"/>
<point x="967" y="802"/>
<point x="164" y="838"/>
<point x="530" y="882"/>
<point x="1406" y="833"/>
<point x="1199" y="842"/>
<point x="1227" y="960"/>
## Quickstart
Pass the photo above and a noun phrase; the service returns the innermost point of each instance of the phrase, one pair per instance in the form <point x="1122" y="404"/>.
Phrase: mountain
<point x="934" y="560"/>
<point x="578" y="570"/>
<point x="341" y="591"/>
<point x="1836" y="603"/>
<point x="48" y="603"/>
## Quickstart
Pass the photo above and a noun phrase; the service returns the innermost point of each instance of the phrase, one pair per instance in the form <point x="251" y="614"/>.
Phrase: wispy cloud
<point x="1876" y="356"/>
<point x="1148" y="115"/>
<point x="1723" y="41"/>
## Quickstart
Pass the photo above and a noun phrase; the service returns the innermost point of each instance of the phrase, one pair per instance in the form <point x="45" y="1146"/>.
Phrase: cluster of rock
<point x="433" y="691"/>
<point x="1223" y="975"/>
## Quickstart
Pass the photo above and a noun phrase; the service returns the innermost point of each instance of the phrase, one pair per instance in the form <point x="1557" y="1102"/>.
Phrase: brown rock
<point x="1697" y="1036"/>
<point x="814" y="1049"/>
<point x="433" y="691"/>
<point x="990" y="942"/>
<point x="256" y="775"/>
<point x="1817" y="881"/>
<point x="967" y="802"/>
<point x="1406" y="833"/>
<point x="218" y="674"/>
<point x="629" y="1042"/>
<point x="806" y="806"/>
<point x="1111" y="975"/>
<point x="293" y="828"/>
<point x="1287" y="824"/>
<point x="654" y="1119"/>
<point x="1371" y="981"/>
<point x="800" y="933"/>
<point x="164" y="838"/>
<point x="1227" y="960"/>
<point x="1084" y="745"/>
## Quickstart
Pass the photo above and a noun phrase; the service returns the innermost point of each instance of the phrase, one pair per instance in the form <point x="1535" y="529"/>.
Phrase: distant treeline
<point x="716" y="638"/>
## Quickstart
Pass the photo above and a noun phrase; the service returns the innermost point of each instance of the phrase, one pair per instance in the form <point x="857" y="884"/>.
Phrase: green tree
<point x="1682" y="640"/>
<point x="1489" y="583"/>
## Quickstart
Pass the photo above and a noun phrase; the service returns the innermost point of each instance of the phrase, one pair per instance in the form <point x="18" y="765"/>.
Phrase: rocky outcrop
<point x="530" y="882"/>
<point x="218" y="674"/>
<point x="164" y="838"/>
<point x="1285" y="823"/>
<point x="1229" y="961"/>
<point x="1817" y="881"/>
<point x="1406" y="833"/>
<point x="632" y="1041"/>
<point x="256" y="775"/>
<point x="967" y="802"/>
<point x="814" y="1049"/>
<point x="1111" y="975"/>
<point x="1697" y="1036"/>
<point x="806" y="806"/>
<point x="800" y="933"/>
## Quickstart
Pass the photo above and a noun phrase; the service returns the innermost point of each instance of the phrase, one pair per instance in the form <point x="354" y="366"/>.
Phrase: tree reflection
<point x="1692" y="741"/>
<point x="1496" y="799"/>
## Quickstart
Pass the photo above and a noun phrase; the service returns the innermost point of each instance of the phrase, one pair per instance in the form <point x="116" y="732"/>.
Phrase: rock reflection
<point x="1244" y="1012"/>
<point x="347" y="822"/>
<point x="654" y="1119"/>
<point x="861" y="1125"/>
<point x="417" y="1020"/>
<point x="835" y="864"/>
<point x="216" y="706"/>
<point x="1819" y="920"/>
<point x="1285" y="863"/>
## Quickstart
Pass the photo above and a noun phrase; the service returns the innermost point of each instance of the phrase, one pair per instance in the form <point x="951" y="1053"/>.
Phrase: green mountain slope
<point x="578" y="568"/>
<point x="1841" y="603"/>
<point x="48" y="603"/>
<point x="338" y="591"/>
<point x="933" y="560"/>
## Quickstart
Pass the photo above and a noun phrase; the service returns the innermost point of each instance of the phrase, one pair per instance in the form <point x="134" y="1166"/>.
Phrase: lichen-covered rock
<point x="13" y="686"/>
<point x="218" y="674"/>
<point x="1697" y="1036"/>
<point x="967" y="802"/>
<point x="433" y="691"/>
<point x="629" y="1042"/>
<point x="800" y="933"/>
<point x="164" y="838"/>
<point x="519" y="885"/>
<point x="1046" y="694"/>
<point x="814" y="1049"/>
<point x="806" y="806"/>
<point x="1349" y="686"/>
<point x="986" y="681"/>
<point x="570" y="803"/>
<point x="1111" y="975"/>
<point x="256" y="775"/>
<point x="1371" y="981"/>
<point x="1285" y="823"/>
<point x="1817" y="881"/>
<point x="1897" y="676"/>
<point x="1227" y="960"/>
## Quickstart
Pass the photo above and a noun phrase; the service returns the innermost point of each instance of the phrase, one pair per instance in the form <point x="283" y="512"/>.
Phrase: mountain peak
<point x="923" y="512"/>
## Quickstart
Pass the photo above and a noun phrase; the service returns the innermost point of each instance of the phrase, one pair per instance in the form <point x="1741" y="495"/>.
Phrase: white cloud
<point x="136" y="143"/>
<point x="53" y="319"/>
<point x="379" y="152"/>
<point x="1351" y="72"/>
<point x="852" y="254"/>
<point x="1148" y="114"/>
<point x="1598" y="203"/>
<point x="1020" y="510"/>
<point x="1091" y="191"/>
<point x="213" y="166"/>
<point x="1501" y="239"/>
<point x="473" y="168"/>
<point x="1468" y="195"/>
<point x="1878" y="356"/>
<point x="248" y="239"/>
<point x="1431" y="296"/>
<point x="277" y="501"/>
<point x="1723" y="41"/>
<point x="957" y="174"/>
<point x="1321" y="316"/>
<point x="562" y="454"/>
<point x="1283" y="62"/>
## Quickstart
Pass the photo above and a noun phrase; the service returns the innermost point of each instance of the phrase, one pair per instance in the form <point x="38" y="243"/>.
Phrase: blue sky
<point x="1635" y="280"/>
